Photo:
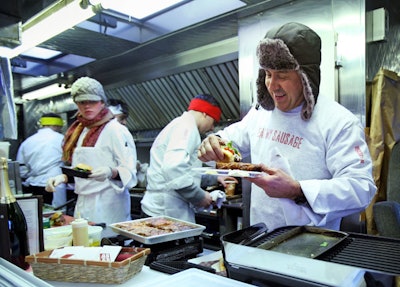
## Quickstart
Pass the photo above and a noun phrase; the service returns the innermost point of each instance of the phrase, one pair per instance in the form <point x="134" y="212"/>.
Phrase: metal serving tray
<point x="305" y="241"/>
<point x="195" y="230"/>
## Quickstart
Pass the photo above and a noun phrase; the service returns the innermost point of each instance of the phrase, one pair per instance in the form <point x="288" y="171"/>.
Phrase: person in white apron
<point x="316" y="161"/>
<point x="97" y="139"/>
<point x="173" y="189"/>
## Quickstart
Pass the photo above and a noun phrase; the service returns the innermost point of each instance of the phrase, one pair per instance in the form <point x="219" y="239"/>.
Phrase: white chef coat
<point x="106" y="201"/>
<point x="328" y="155"/>
<point x="40" y="158"/>
<point x="173" y="155"/>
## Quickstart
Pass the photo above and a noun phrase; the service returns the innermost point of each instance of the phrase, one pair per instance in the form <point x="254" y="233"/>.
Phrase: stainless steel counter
<point x="14" y="276"/>
<point x="11" y="275"/>
<point x="146" y="276"/>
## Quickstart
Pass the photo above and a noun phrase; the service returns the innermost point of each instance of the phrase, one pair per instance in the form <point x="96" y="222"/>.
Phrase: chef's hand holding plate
<point x="277" y="183"/>
<point x="101" y="173"/>
<point x="52" y="182"/>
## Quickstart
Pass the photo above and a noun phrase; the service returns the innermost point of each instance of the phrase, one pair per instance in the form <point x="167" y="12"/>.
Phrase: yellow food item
<point x="231" y="154"/>
<point x="221" y="264"/>
<point x="83" y="167"/>
<point x="57" y="219"/>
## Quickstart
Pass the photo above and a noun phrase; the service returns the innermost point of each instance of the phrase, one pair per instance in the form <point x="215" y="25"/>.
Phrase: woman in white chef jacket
<point x="97" y="139"/>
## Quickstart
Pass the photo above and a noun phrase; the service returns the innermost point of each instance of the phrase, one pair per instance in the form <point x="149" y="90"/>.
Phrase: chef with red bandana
<point x="173" y="188"/>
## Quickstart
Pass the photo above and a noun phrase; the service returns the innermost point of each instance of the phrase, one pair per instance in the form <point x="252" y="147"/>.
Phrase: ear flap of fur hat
<point x="292" y="46"/>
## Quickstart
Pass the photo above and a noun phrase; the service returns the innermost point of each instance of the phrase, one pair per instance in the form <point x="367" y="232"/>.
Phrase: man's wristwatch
<point x="300" y="199"/>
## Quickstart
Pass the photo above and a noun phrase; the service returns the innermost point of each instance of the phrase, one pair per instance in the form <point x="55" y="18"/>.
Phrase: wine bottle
<point x="14" y="244"/>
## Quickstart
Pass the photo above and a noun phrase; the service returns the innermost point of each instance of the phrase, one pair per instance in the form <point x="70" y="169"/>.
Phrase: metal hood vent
<point x="154" y="103"/>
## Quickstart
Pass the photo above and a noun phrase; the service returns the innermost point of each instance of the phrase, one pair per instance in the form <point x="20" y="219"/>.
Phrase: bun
<point x="231" y="154"/>
<point x="57" y="219"/>
<point x="228" y="156"/>
<point x="83" y="167"/>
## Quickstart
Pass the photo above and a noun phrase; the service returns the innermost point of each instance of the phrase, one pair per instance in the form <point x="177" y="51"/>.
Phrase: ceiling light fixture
<point x="136" y="8"/>
<point x="52" y="21"/>
<point x="46" y="92"/>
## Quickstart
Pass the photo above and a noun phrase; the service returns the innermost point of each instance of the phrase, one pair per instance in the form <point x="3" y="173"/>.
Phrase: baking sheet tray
<point x="195" y="230"/>
<point x="305" y="241"/>
<point x="72" y="172"/>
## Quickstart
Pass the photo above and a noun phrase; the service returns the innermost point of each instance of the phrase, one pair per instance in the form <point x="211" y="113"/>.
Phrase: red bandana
<point x="205" y="107"/>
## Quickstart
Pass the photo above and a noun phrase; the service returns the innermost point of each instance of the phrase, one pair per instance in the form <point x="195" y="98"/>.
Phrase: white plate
<point x="227" y="172"/>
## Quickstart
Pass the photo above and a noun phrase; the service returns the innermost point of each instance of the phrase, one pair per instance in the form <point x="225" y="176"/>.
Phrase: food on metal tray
<point x="232" y="160"/>
<point x="239" y="166"/>
<point x="153" y="226"/>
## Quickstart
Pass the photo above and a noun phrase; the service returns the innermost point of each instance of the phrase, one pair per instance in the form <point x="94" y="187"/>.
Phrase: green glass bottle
<point x="14" y="245"/>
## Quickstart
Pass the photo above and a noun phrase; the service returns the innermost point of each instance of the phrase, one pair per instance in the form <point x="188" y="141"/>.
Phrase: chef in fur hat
<point x="316" y="163"/>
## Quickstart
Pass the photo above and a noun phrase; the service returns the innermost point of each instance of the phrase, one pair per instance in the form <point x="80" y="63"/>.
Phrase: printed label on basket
<point x="105" y="257"/>
<point x="106" y="253"/>
<point x="109" y="253"/>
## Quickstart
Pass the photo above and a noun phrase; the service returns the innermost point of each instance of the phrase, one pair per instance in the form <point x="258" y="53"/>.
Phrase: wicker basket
<point x="73" y="270"/>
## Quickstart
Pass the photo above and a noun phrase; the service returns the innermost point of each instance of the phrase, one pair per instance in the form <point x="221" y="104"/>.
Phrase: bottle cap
<point x="79" y="222"/>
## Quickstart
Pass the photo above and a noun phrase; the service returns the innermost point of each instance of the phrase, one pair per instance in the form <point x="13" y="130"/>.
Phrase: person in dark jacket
<point x="316" y="163"/>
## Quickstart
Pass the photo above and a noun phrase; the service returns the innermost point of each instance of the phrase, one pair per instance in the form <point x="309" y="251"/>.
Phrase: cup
<point x="95" y="235"/>
<point x="230" y="188"/>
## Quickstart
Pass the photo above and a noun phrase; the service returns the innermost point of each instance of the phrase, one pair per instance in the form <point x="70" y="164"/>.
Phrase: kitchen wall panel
<point x="385" y="54"/>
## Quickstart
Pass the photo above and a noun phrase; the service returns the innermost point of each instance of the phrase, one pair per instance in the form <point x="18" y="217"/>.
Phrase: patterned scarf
<point x="74" y="131"/>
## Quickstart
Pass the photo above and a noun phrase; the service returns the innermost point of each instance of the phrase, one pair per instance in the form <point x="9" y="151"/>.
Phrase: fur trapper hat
<point x="292" y="46"/>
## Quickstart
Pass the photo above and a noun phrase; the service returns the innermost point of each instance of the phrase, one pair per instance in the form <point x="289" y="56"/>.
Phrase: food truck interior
<point x="157" y="63"/>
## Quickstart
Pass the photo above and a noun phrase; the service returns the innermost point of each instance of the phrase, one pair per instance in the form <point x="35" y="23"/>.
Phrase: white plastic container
<point x="4" y="149"/>
<point x="57" y="237"/>
<point x="80" y="232"/>
<point x="95" y="235"/>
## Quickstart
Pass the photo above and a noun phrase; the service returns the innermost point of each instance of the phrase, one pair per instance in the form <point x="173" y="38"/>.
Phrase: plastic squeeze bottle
<point x="80" y="232"/>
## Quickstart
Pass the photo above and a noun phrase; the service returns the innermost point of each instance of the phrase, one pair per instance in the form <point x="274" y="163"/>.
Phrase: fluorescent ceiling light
<point x="50" y="22"/>
<point x="46" y="92"/>
<point x="41" y="53"/>
<point x="138" y="9"/>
